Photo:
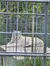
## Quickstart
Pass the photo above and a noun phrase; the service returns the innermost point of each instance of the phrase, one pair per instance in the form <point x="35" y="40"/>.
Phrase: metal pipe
<point x="24" y="54"/>
<point x="45" y="38"/>
<point x="27" y="0"/>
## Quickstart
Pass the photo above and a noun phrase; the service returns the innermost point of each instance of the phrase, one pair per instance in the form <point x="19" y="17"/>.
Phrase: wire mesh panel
<point x="24" y="33"/>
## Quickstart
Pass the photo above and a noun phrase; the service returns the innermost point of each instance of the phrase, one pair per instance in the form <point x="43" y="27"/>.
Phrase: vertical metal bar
<point x="25" y="45"/>
<point x="36" y="12"/>
<point x="21" y="25"/>
<point x="4" y="61"/>
<point x="17" y="20"/>
<point x="17" y="16"/>
<point x="43" y="30"/>
<point x="26" y="5"/>
<point x="43" y="26"/>
<point x="45" y="40"/>
<point x="32" y="27"/>
<point x="26" y="17"/>
<point x="40" y="25"/>
<point x="6" y="21"/>
<point x="26" y="23"/>
<point x="46" y="22"/>
<point x="6" y="5"/>
<point x="24" y="52"/>
<point x="10" y="24"/>
<point x="33" y="34"/>
<point x="6" y="16"/>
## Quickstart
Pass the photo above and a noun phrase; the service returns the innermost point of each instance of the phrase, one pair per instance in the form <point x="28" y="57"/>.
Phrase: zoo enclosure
<point x="31" y="18"/>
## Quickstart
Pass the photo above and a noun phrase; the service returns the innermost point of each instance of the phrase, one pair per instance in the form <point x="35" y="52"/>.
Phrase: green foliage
<point x="23" y="8"/>
<point x="30" y="62"/>
<point x="2" y="26"/>
<point x="38" y="62"/>
<point x="48" y="62"/>
<point x="2" y="29"/>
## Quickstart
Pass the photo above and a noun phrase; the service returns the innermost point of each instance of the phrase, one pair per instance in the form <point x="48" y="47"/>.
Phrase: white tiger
<point x="19" y="41"/>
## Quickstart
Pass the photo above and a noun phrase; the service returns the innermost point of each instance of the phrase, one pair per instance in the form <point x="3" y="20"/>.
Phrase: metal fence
<point x="24" y="33"/>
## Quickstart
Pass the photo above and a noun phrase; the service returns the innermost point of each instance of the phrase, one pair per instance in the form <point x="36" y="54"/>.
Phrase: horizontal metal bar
<point x="24" y="33"/>
<point x="24" y="54"/>
<point x="11" y="13"/>
<point x="28" y="0"/>
<point x="5" y="32"/>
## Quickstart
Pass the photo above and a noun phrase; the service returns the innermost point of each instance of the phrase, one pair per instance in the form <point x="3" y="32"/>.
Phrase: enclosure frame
<point x="45" y="41"/>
